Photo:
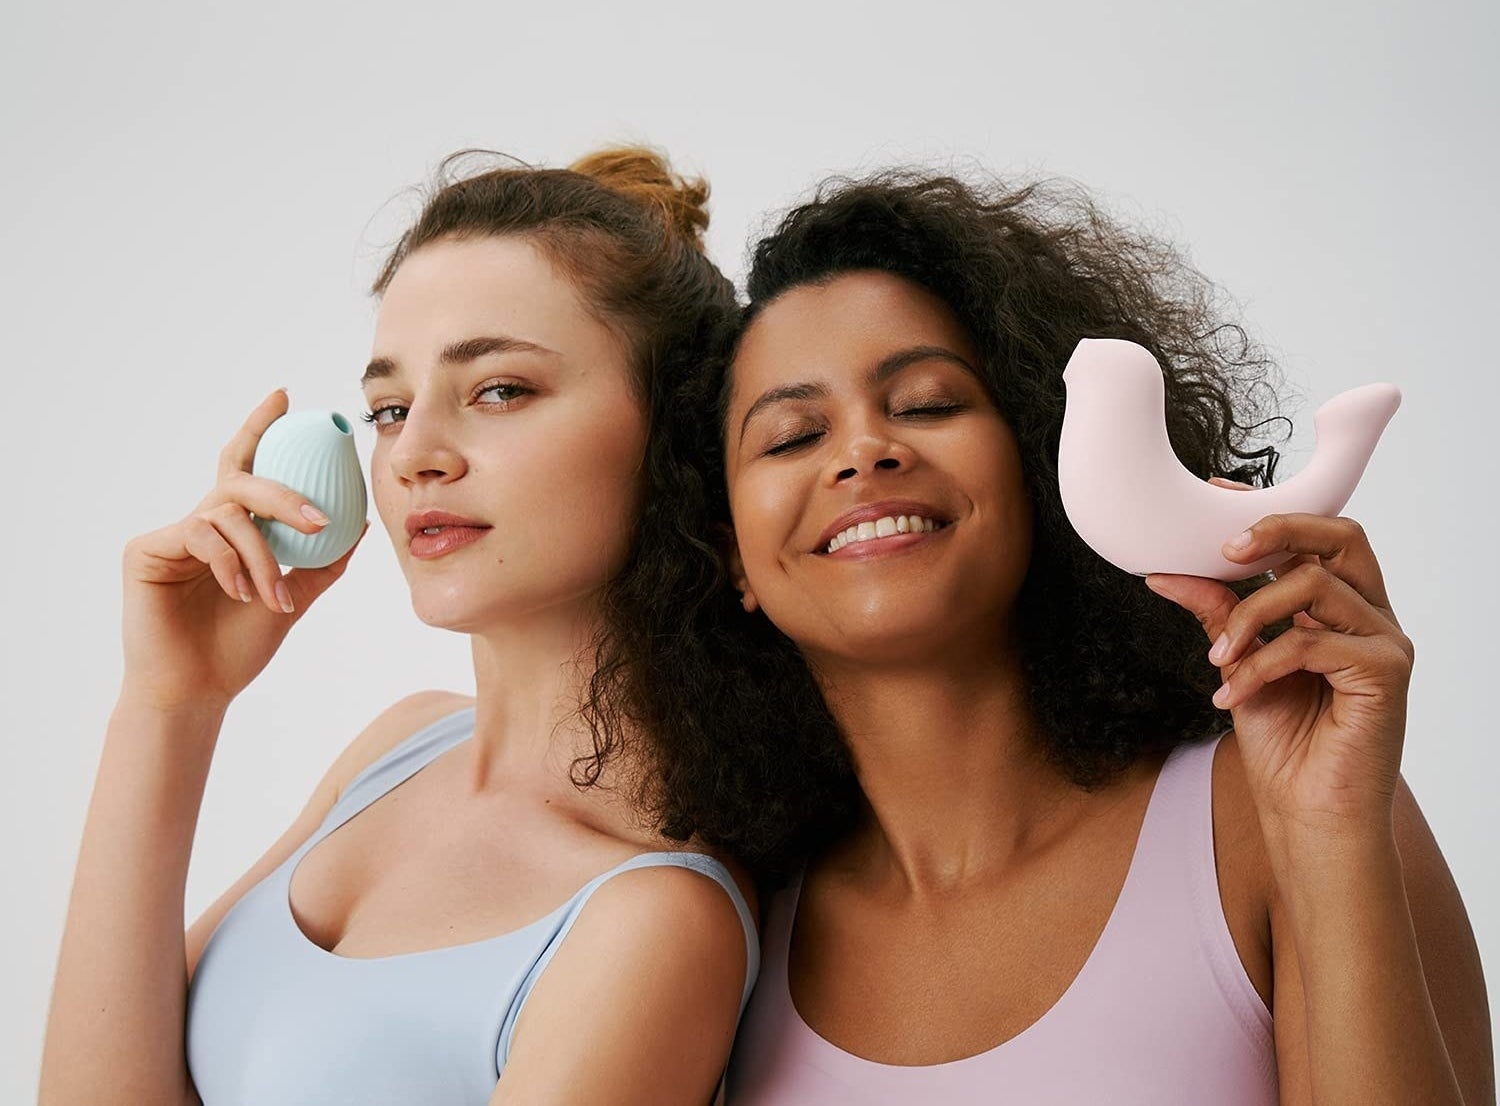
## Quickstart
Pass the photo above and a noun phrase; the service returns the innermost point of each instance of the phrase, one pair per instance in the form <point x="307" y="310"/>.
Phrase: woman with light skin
<point x="518" y="897"/>
<point x="1065" y="874"/>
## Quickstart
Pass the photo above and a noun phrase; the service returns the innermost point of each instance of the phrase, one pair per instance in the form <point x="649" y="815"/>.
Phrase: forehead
<point x="453" y="288"/>
<point x="841" y="328"/>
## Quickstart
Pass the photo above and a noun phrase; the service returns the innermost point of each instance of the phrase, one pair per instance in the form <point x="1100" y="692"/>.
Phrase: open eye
<point x="509" y="393"/>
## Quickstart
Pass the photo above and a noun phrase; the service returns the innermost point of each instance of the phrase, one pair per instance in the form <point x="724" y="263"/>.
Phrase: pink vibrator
<point x="1132" y="502"/>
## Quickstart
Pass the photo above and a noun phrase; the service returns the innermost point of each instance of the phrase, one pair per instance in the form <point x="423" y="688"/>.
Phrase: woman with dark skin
<point x="986" y="708"/>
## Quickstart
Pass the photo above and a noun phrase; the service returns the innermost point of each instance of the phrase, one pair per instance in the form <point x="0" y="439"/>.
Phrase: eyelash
<point x="517" y="391"/>
<point x="932" y="409"/>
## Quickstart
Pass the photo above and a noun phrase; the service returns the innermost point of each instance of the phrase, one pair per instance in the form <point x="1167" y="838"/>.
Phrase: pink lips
<point x="426" y="546"/>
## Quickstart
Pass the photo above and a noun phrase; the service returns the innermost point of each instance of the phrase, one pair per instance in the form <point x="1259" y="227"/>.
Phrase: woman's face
<point x="511" y="403"/>
<point x="854" y="402"/>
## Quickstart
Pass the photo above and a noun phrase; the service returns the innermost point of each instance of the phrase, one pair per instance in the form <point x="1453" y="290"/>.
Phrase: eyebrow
<point x="458" y="353"/>
<point x="884" y="369"/>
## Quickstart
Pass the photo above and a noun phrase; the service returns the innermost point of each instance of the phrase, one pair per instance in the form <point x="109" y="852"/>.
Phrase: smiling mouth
<point x="888" y="527"/>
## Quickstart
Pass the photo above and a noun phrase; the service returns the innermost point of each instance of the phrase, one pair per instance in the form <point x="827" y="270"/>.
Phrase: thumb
<point x="306" y="584"/>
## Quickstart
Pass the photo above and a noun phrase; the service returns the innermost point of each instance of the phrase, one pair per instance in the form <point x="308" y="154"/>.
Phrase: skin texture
<point x="640" y="1002"/>
<point x="923" y="938"/>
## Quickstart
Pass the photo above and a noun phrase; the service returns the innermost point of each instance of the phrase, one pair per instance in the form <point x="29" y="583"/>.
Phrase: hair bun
<point x="646" y="176"/>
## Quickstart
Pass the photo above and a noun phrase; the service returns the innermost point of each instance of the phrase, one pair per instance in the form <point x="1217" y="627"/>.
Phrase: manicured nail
<point x="1240" y="542"/>
<point x="243" y="587"/>
<point x="312" y="514"/>
<point x="1220" y="648"/>
<point x="1221" y="696"/>
<point x="284" y="597"/>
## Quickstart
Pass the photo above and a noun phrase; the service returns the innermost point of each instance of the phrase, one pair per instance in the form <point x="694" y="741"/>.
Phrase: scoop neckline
<point x="295" y="862"/>
<point x="843" y="1055"/>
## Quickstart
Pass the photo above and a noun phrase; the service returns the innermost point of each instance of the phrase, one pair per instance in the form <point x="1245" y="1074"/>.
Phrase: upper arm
<point x="640" y="1002"/>
<point x="393" y="724"/>
<point x="1450" y="965"/>
<point x="1450" y="955"/>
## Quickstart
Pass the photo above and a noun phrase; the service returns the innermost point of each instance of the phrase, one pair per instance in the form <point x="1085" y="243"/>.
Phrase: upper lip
<point x="870" y="512"/>
<point x="420" y="520"/>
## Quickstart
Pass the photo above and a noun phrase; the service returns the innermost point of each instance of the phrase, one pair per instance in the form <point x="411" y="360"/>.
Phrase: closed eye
<point x="793" y="443"/>
<point x="933" y="410"/>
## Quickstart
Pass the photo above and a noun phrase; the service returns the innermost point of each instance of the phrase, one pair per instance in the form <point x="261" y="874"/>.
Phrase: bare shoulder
<point x="641" y="1000"/>
<point x="684" y="897"/>
<point x="388" y="729"/>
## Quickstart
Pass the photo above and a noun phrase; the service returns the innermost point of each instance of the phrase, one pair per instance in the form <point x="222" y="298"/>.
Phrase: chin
<point x="451" y="605"/>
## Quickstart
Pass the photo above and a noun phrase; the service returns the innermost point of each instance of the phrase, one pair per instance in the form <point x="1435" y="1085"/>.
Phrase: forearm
<point x="1372" y="1035"/>
<point x="115" y="1028"/>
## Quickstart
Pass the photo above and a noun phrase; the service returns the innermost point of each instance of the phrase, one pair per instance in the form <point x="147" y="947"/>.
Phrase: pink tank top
<point x="1162" y="1012"/>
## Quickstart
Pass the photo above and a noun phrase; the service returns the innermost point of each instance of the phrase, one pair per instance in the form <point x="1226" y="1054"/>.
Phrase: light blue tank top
<point x="275" y="1020"/>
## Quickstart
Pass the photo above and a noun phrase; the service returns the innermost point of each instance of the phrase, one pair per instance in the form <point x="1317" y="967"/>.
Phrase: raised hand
<point x="1320" y="712"/>
<point x="193" y="630"/>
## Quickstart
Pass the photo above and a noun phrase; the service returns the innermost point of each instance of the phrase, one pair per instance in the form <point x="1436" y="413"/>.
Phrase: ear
<point x="729" y="549"/>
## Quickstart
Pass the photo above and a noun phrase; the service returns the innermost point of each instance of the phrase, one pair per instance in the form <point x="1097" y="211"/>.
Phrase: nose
<point x="866" y="453"/>
<point x="425" y="449"/>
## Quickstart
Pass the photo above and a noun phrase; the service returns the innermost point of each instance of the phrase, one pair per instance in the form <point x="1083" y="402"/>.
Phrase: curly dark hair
<point x="1113" y="670"/>
<point x="628" y="232"/>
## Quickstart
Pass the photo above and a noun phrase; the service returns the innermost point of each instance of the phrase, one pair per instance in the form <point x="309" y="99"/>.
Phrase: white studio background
<point x="195" y="198"/>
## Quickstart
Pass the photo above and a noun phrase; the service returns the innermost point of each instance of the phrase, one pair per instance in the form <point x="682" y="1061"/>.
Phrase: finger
<point x="1354" y="665"/>
<point x="240" y="531"/>
<point x="239" y="452"/>
<point x="1328" y="601"/>
<point x="1339" y="544"/>
<point x="175" y="553"/>
<point x="266" y="498"/>
<point x="1285" y="566"/>
<point x="1209" y="601"/>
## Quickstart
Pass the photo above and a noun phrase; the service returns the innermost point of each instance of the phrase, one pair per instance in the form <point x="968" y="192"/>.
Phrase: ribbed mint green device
<point x="312" y="452"/>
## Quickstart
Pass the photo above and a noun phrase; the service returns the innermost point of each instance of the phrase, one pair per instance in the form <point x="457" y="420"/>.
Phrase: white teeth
<point x="881" y="528"/>
<point x="431" y="529"/>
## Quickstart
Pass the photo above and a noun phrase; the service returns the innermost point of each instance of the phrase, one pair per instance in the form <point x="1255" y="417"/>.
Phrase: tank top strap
<point x="698" y="862"/>
<point x="397" y="764"/>
<point x="1175" y="866"/>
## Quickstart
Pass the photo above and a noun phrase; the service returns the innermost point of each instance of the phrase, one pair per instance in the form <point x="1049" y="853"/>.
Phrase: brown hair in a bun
<point x="644" y="174"/>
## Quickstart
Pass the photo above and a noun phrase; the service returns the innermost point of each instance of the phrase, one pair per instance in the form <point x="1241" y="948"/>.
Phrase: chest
<point x="935" y="982"/>
<point x="922" y="981"/>
<point x="422" y="869"/>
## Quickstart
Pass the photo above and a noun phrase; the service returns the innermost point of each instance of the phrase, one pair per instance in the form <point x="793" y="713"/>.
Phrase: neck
<point x="530" y="677"/>
<point x="953" y="735"/>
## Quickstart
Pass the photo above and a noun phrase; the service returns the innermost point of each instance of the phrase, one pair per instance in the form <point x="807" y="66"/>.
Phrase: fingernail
<point x="1220" y="648"/>
<point x="243" y="587"/>
<point x="1239" y="542"/>
<point x="284" y="597"/>
<point x="1221" y="696"/>
<point x="312" y="514"/>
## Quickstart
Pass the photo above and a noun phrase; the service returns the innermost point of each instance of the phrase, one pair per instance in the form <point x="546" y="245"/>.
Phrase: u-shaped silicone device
<point x="1132" y="502"/>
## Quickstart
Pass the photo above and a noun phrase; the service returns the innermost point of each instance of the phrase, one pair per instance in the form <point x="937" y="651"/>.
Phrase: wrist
<point x="139" y="703"/>
<point x="1328" y="859"/>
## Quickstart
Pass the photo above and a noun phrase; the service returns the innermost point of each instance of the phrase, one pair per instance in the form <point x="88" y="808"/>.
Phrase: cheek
<point x="578" y="486"/>
<point x="767" y="508"/>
